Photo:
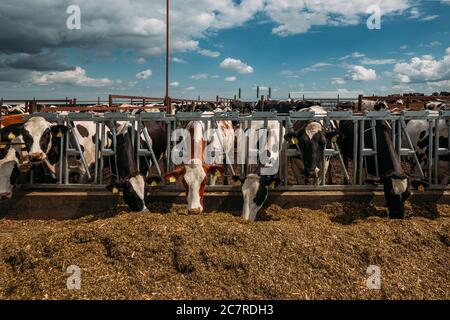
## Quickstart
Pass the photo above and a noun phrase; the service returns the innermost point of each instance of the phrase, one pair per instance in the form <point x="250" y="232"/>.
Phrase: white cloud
<point x="352" y="55"/>
<point x="339" y="81"/>
<point x="199" y="76"/>
<point x="404" y="47"/>
<point x="230" y="79"/>
<point x="144" y="74"/>
<point x="141" y="60"/>
<point x="174" y="84"/>
<point x="359" y="73"/>
<point x="216" y="76"/>
<point x="236" y="65"/>
<point x="190" y="88"/>
<point x="367" y="61"/>
<point x="293" y="16"/>
<point x="75" y="77"/>
<point x="431" y="44"/>
<point x="209" y="53"/>
<point x="178" y="60"/>
<point x="297" y="73"/>
<point x="430" y="18"/>
<point x="423" y="69"/>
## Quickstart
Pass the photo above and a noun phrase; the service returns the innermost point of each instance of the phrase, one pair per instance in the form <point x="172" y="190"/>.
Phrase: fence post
<point x="257" y="92"/>
<point x="240" y="94"/>
<point x="110" y="100"/>
<point x="360" y="102"/>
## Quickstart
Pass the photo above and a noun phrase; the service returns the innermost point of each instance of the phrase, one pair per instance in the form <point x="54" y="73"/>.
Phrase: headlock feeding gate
<point x="363" y="123"/>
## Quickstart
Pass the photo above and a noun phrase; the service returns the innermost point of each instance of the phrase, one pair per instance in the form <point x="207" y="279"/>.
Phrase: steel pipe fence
<point x="70" y="146"/>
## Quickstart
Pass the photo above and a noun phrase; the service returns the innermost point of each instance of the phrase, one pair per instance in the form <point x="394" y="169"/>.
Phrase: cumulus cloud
<point x="359" y="73"/>
<point x="174" y="84"/>
<point x="236" y="65"/>
<point x="76" y="77"/>
<point x="423" y="69"/>
<point x="209" y="53"/>
<point x="192" y="88"/>
<point x="230" y="79"/>
<point x="297" y="73"/>
<point x="144" y="74"/>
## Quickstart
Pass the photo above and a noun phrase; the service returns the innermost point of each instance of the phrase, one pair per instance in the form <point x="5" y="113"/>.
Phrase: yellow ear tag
<point x="2" y="145"/>
<point x="115" y="190"/>
<point x="154" y="183"/>
<point x="334" y="139"/>
<point x="421" y="188"/>
<point x="238" y="183"/>
<point x="294" y="140"/>
<point x="11" y="136"/>
<point x="172" y="179"/>
<point x="217" y="173"/>
<point x="60" y="134"/>
<point x="272" y="185"/>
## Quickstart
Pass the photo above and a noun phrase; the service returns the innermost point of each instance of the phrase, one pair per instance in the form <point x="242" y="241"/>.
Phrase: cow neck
<point x="125" y="155"/>
<point x="388" y="160"/>
<point x="195" y="145"/>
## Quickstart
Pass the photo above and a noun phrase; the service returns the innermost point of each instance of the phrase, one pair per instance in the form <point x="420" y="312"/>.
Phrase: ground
<point x="289" y="254"/>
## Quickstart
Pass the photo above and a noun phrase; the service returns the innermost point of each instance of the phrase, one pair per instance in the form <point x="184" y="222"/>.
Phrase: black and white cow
<point x="10" y="154"/>
<point x="255" y="190"/>
<point x="310" y="139"/>
<point x="418" y="131"/>
<point x="391" y="174"/>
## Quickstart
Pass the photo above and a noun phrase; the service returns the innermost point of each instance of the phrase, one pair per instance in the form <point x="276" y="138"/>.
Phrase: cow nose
<point x="5" y="195"/>
<point x="36" y="157"/>
<point x="195" y="211"/>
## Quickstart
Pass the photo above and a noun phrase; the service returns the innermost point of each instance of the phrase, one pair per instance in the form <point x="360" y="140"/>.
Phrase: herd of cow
<point x="35" y="145"/>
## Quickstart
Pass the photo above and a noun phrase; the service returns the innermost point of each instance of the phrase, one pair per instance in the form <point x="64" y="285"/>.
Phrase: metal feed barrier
<point x="70" y="146"/>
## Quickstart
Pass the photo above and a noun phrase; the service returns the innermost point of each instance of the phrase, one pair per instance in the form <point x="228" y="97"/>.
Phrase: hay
<point x="290" y="254"/>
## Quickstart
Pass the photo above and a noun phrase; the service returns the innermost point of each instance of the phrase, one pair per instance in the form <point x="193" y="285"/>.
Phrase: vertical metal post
<point x="240" y="94"/>
<point x="167" y="55"/>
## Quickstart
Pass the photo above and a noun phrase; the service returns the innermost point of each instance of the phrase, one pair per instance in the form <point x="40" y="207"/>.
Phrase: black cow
<point x="395" y="181"/>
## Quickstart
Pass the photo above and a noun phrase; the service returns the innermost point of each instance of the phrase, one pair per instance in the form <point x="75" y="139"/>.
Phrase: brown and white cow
<point x="199" y="166"/>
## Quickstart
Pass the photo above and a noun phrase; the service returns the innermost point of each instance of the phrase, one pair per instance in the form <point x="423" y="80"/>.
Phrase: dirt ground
<point x="288" y="254"/>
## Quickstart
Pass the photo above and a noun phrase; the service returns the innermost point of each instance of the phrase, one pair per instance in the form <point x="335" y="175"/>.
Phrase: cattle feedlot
<point x="159" y="159"/>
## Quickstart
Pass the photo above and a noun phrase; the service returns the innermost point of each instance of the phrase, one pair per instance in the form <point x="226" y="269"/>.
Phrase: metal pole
<point x="167" y="56"/>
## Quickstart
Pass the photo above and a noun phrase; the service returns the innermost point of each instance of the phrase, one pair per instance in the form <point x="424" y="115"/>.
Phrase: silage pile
<point x="290" y="254"/>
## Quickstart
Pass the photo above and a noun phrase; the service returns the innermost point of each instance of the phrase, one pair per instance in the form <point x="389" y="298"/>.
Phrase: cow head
<point x="194" y="178"/>
<point x="9" y="159"/>
<point x="133" y="189"/>
<point x="255" y="190"/>
<point x="40" y="137"/>
<point x="380" y="106"/>
<point x="311" y="140"/>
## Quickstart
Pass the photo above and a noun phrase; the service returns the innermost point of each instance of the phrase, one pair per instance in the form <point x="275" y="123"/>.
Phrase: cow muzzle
<point x="36" y="157"/>
<point x="5" y="195"/>
<point x="195" y="211"/>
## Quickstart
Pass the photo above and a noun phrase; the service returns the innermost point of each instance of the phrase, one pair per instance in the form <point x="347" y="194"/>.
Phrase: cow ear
<point x="271" y="182"/>
<point x="174" y="175"/>
<point x="11" y="132"/>
<point x="154" y="181"/>
<point x="115" y="187"/>
<point x="238" y="180"/>
<point x="419" y="185"/>
<point x="334" y="136"/>
<point x="216" y="170"/>
<point x="59" y="130"/>
<point x="291" y="138"/>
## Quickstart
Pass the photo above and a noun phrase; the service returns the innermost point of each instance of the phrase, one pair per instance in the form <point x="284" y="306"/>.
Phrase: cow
<point x="131" y="182"/>
<point x="396" y="183"/>
<point x="418" y="131"/>
<point x="310" y="138"/>
<point x="377" y="105"/>
<point x="195" y="171"/>
<point x="10" y="155"/>
<point x="255" y="190"/>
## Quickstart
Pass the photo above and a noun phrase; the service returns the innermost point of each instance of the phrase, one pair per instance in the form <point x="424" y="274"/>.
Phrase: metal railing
<point x="398" y="121"/>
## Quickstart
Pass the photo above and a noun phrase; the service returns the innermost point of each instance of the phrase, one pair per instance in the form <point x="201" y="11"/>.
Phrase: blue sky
<point x="291" y="46"/>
